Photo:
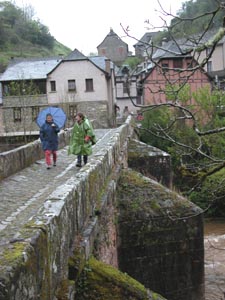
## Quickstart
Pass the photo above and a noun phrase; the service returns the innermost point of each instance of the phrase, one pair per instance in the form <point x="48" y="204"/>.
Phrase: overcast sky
<point x="84" y="24"/>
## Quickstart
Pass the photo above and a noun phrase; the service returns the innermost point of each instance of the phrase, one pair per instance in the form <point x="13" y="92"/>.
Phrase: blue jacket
<point x="49" y="136"/>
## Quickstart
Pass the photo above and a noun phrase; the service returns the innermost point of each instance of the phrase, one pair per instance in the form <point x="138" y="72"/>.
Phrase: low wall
<point x="19" y="158"/>
<point x="150" y="161"/>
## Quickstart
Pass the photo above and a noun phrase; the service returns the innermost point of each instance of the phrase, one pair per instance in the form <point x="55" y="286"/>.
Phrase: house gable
<point x="165" y="73"/>
<point x="78" y="71"/>
<point x="113" y="48"/>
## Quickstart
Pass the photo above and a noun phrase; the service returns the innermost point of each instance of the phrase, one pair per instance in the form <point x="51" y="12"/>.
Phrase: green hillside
<point x="21" y="36"/>
<point x="29" y="50"/>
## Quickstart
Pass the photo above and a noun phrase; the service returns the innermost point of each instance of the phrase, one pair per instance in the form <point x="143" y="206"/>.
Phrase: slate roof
<point x="99" y="61"/>
<point x="171" y="50"/>
<point x="112" y="40"/>
<point x="75" y="55"/>
<point x="146" y="38"/>
<point x="39" y="68"/>
<point x="29" y="69"/>
<point x="124" y="69"/>
<point x="206" y="37"/>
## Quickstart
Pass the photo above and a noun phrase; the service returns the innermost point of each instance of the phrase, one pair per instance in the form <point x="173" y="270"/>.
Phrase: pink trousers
<point x="48" y="156"/>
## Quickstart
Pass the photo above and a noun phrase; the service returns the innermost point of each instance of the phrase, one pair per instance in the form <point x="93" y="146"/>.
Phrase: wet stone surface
<point x="23" y="194"/>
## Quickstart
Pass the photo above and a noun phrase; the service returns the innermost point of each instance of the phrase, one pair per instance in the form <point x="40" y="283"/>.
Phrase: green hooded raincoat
<point x="78" y="146"/>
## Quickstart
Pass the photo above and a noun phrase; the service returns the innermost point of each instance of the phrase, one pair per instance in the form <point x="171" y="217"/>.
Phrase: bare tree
<point x="201" y="118"/>
<point x="199" y="48"/>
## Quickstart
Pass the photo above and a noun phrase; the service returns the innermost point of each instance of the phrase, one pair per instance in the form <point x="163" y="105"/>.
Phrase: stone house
<point x="215" y="66"/>
<point x="143" y="48"/>
<point x="113" y="48"/>
<point x="75" y="83"/>
<point x="126" y="90"/>
<point x="117" y="51"/>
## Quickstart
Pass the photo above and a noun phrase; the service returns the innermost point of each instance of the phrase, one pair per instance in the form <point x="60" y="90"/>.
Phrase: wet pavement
<point x="22" y="194"/>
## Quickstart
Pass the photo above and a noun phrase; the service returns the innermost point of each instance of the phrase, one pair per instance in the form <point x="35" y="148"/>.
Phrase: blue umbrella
<point x="58" y="114"/>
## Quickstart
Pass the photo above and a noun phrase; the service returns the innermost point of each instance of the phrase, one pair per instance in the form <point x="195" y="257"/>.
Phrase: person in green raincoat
<point x="82" y="139"/>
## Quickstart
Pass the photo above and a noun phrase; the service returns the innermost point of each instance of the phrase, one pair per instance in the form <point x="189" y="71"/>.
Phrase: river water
<point x="214" y="242"/>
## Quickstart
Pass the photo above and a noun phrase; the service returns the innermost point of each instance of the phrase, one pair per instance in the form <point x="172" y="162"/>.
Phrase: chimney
<point x="107" y="65"/>
<point x="164" y="41"/>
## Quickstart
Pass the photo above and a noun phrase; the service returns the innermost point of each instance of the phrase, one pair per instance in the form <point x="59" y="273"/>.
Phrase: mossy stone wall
<point x="150" y="161"/>
<point x="99" y="281"/>
<point x="160" y="238"/>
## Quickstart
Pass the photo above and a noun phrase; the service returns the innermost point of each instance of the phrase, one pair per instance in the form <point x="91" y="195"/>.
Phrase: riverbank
<point x="214" y="241"/>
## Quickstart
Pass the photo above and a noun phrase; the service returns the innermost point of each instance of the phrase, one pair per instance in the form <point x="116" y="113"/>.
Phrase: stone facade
<point x="150" y="161"/>
<point x="19" y="113"/>
<point x="76" y="83"/>
<point x="114" y="48"/>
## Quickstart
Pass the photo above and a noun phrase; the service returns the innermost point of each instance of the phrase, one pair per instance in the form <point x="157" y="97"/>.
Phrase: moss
<point x="63" y="290"/>
<point x="155" y="205"/>
<point x="39" y="258"/>
<point x="156" y="296"/>
<point x="95" y="177"/>
<point x="101" y="281"/>
<point x="14" y="253"/>
<point x="139" y="196"/>
<point x="21" y="255"/>
<point x="76" y="264"/>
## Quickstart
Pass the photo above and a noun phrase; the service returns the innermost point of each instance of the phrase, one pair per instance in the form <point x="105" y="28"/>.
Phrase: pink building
<point x="171" y="71"/>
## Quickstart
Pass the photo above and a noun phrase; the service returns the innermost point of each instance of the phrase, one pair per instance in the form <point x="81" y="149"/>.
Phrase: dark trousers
<point x="79" y="159"/>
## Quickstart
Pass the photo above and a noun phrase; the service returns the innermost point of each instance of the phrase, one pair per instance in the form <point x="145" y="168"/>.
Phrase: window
<point x="40" y="87"/>
<point x="139" y="89"/>
<point x="121" y="50"/>
<point x="190" y="64"/>
<point x="208" y="50"/>
<point x="138" y="100"/>
<point x="209" y="66"/>
<point x="103" y="51"/>
<point x="165" y="66"/>
<point x="89" y="85"/>
<point x="72" y="85"/>
<point x="53" y="86"/>
<point x="177" y="64"/>
<point x="72" y="112"/>
<point x="17" y="114"/>
<point x="5" y="88"/>
<point x="125" y="87"/>
<point x="35" y="112"/>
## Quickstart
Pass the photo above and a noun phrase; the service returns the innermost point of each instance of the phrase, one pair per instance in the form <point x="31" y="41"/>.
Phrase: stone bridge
<point x="58" y="227"/>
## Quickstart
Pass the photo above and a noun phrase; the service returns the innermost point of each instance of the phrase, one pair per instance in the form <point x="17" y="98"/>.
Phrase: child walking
<point x="49" y="139"/>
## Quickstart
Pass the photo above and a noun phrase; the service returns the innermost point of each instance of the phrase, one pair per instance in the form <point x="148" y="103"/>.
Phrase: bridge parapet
<point x="22" y="157"/>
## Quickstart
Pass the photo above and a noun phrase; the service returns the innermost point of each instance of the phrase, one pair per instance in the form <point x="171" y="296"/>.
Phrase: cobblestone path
<point x="22" y="194"/>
